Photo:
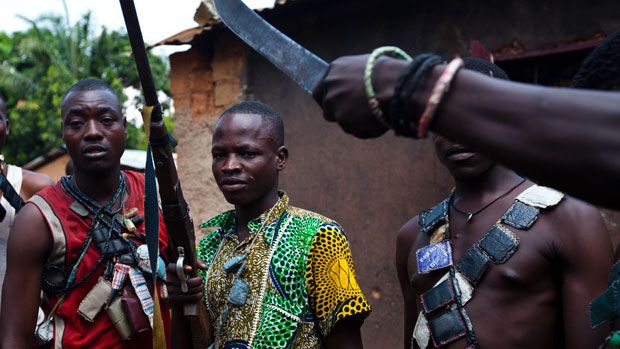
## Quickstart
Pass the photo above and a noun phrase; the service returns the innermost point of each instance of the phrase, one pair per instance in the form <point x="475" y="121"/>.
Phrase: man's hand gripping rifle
<point x="175" y="211"/>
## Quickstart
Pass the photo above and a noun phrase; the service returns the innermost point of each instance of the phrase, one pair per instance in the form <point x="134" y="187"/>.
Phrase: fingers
<point x="194" y="284"/>
<point x="181" y="298"/>
<point x="194" y="291"/>
<point x="175" y="290"/>
<point x="201" y="264"/>
<point x="172" y="268"/>
<point x="191" y="282"/>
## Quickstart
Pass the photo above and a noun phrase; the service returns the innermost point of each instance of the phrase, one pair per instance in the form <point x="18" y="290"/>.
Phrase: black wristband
<point x="396" y="105"/>
<point x="402" y="124"/>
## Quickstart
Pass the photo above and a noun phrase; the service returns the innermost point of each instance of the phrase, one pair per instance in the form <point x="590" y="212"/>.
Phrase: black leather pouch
<point x="447" y="327"/>
<point x="520" y="216"/>
<point x="112" y="247"/>
<point x="430" y="219"/>
<point x="473" y="264"/>
<point x="438" y="296"/>
<point x="499" y="244"/>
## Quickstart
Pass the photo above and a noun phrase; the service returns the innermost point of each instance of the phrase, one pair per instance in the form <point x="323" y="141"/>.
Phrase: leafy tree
<point x="38" y="65"/>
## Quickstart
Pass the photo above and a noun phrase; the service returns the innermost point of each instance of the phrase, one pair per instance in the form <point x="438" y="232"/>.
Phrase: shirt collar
<point x="270" y="215"/>
<point x="228" y="222"/>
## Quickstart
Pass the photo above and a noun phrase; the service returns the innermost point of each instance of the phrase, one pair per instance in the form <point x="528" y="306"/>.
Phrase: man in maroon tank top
<point x="81" y="242"/>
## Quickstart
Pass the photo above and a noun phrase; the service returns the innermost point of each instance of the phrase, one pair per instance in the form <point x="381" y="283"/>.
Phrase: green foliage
<point x="38" y="65"/>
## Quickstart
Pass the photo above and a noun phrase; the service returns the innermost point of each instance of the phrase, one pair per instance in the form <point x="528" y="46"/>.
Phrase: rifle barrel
<point x="139" y="52"/>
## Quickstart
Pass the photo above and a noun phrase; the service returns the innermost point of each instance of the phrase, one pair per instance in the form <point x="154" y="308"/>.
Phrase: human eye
<point x="248" y="154"/>
<point x="107" y="119"/>
<point x="74" y="123"/>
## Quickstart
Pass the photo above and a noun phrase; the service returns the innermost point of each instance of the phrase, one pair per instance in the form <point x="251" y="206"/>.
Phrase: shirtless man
<point x="526" y="261"/>
<point x="24" y="182"/>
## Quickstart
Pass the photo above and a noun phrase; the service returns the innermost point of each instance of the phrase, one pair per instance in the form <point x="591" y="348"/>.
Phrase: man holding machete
<point x="537" y="131"/>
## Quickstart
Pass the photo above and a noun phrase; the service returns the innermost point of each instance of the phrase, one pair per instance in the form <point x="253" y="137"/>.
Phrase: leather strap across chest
<point x="443" y="317"/>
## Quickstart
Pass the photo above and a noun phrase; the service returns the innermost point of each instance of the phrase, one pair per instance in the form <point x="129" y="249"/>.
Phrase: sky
<point x="159" y="19"/>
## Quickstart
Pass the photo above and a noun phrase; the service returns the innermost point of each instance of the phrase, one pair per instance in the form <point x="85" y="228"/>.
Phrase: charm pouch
<point x="94" y="301"/>
<point x="434" y="257"/>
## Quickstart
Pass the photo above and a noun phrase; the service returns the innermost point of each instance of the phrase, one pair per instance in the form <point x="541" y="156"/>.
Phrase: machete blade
<point x="301" y="65"/>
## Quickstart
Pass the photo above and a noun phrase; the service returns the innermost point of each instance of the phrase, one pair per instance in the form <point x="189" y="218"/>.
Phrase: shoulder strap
<point x="524" y="211"/>
<point x="15" y="176"/>
<point x="432" y="218"/>
<point x="10" y="195"/>
<point x="59" y="248"/>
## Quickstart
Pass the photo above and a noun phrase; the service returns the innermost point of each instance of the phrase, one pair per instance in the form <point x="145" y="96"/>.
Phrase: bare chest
<point x="528" y="268"/>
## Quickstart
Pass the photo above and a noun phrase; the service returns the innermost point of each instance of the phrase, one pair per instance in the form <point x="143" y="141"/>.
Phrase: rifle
<point x="178" y="223"/>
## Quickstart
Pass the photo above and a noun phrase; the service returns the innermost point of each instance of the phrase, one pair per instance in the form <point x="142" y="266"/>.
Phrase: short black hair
<point x="268" y="115"/>
<point x="89" y="85"/>
<point x="601" y="69"/>
<point x="485" y="67"/>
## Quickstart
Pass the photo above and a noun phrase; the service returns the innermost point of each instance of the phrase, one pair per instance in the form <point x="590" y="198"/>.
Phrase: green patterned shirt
<point x="301" y="280"/>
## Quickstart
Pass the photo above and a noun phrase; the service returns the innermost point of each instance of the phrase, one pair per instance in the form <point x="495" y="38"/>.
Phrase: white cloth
<point x="541" y="197"/>
<point x="14" y="176"/>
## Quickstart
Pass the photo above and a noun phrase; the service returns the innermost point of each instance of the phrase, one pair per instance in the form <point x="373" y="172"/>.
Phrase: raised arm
<point x="567" y="139"/>
<point x="404" y="242"/>
<point x="28" y="247"/>
<point x="586" y="258"/>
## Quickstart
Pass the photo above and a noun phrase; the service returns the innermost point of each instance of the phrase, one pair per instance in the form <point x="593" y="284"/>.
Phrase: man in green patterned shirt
<point x="276" y="276"/>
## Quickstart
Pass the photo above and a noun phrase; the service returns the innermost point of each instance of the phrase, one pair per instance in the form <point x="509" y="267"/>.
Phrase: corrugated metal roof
<point x="207" y="18"/>
<point x="182" y="38"/>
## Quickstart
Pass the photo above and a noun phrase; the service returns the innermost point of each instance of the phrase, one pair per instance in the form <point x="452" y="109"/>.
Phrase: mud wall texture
<point x="371" y="187"/>
<point x="203" y="84"/>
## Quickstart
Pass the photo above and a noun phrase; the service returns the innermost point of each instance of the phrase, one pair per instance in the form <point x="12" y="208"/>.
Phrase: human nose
<point x="231" y="164"/>
<point x="92" y="130"/>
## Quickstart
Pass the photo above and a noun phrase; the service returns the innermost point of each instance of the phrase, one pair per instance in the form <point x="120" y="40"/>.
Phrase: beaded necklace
<point x="238" y="295"/>
<point x="98" y="211"/>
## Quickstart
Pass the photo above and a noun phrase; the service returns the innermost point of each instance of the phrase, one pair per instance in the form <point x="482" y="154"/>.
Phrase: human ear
<point x="281" y="158"/>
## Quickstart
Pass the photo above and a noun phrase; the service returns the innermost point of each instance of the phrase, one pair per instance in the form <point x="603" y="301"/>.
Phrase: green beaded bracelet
<point x="614" y="340"/>
<point x="392" y="51"/>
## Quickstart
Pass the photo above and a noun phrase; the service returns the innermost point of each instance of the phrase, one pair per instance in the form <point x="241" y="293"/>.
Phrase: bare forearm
<point x="567" y="139"/>
<point x="19" y="311"/>
<point x="22" y="282"/>
<point x="564" y="138"/>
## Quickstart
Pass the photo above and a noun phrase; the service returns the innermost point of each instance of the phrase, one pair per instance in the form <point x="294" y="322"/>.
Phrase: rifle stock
<point x="175" y="210"/>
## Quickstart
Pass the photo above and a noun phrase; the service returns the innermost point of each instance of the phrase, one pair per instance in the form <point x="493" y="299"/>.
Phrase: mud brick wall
<point x="203" y="83"/>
